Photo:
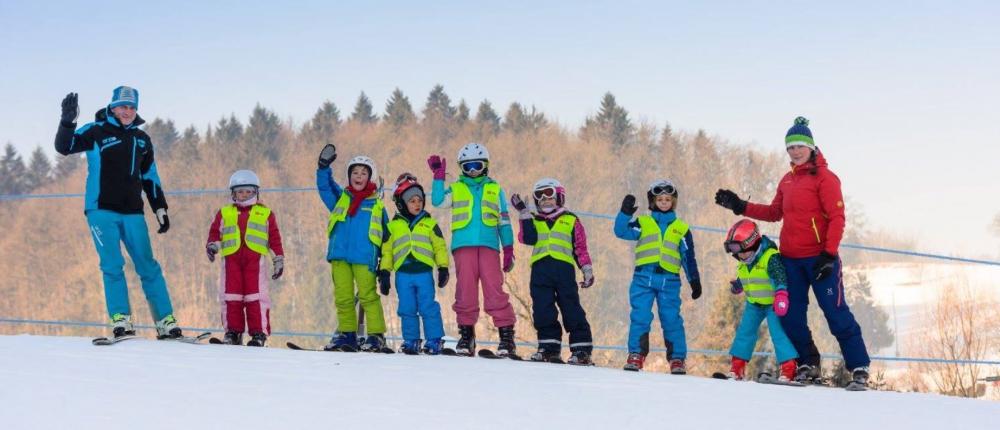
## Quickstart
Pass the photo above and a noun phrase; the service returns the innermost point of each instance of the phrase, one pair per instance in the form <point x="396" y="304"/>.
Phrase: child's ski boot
<point x="547" y="355"/>
<point x="374" y="343"/>
<point x="410" y="347"/>
<point x="467" y="341"/>
<point x="257" y="339"/>
<point x="506" y="348"/>
<point x="346" y="342"/>
<point x="580" y="358"/>
<point x="786" y="371"/>
<point x="232" y="338"/>
<point x="738" y="369"/>
<point x="677" y="367"/>
<point x="634" y="362"/>
<point x="433" y="346"/>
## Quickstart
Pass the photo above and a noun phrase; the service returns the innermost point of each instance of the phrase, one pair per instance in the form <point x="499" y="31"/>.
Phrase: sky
<point x="902" y="96"/>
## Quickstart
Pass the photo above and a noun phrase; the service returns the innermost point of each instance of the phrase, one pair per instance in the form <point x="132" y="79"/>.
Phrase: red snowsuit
<point x="243" y="283"/>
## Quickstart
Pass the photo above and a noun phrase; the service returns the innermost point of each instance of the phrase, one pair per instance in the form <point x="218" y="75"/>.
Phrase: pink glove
<point x="781" y="302"/>
<point x="508" y="258"/>
<point x="437" y="165"/>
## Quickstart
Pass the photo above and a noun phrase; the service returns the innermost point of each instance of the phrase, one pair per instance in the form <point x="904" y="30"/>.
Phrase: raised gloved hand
<point x="824" y="265"/>
<point x="517" y="202"/>
<point x="780" y="303"/>
<point x="383" y="282"/>
<point x="277" y="266"/>
<point x="70" y="109"/>
<point x="327" y="155"/>
<point x="731" y="201"/>
<point x="508" y="258"/>
<point x="628" y="205"/>
<point x="735" y="286"/>
<point x="211" y="249"/>
<point x="695" y="289"/>
<point x="443" y="276"/>
<point x="588" y="276"/>
<point x="163" y="220"/>
<point x="438" y="166"/>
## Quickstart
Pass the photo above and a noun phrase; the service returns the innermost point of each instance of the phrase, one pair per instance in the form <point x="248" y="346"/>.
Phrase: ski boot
<point x="467" y="341"/>
<point x="506" y="347"/>
<point x="677" y="367"/>
<point x="374" y="343"/>
<point x="257" y="339"/>
<point x="634" y="362"/>
<point x="232" y="338"/>
<point x="433" y="346"/>
<point x="737" y="371"/>
<point x="859" y="376"/>
<point x="787" y="371"/>
<point x="121" y="325"/>
<point x="807" y="373"/>
<point x="580" y="358"/>
<point x="166" y="328"/>
<point x="546" y="355"/>
<point x="410" y="347"/>
<point x="345" y="341"/>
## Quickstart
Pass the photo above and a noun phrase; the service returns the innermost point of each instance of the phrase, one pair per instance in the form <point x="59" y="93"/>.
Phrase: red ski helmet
<point x="405" y="182"/>
<point x="743" y="236"/>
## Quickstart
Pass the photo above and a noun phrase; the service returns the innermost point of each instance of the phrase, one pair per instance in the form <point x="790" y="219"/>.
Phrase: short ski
<point x="856" y="386"/>
<point x="189" y="339"/>
<point x="215" y="341"/>
<point x="452" y="353"/>
<point x="104" y="341"/>
<point x="487" y="353"/>
<point x="296" y="347"/>
<point x="766" y="378"/>
<point x="720" y="375"/>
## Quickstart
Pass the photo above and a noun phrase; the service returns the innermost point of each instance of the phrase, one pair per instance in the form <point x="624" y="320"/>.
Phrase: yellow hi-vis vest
<point x="461" y="205"/>
<point x="557" y="242"/>
<point x="339" y="213"/>
<point x="425" y="246"/>
<point x="756" y="282"/>
<point x="655" y="246"/>
<point x="256" y="234"/>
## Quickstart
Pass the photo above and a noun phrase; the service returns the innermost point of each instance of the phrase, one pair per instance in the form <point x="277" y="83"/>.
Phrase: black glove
<point x="517" y="202"/>
<point x="628" y="205"/>
<point x="327" y="156"/>
<point x="210" y="250"/>
<point x="278" y="266"/>
<point x="695" y="289"/>
<point x="70" y="109"/>
<point x="824" y="265"/>
<point x="443" y="276"/>
<point x="383" y="282"/>
<point x="163" y="220"/>
<point x="731" y="201"/>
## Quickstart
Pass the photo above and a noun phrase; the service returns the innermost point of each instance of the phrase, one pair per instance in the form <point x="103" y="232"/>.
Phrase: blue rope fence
<point x="522" y="344"/>
<point x="15" y="197"/>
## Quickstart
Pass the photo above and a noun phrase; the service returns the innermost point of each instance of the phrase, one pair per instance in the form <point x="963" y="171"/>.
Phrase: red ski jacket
<point x="812" y="207"/>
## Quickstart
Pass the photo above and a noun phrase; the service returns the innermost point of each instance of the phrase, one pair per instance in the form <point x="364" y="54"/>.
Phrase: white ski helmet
<point x="242" y="178"/>
<point x="660" y="187"/>
<point x="364" y="161"/>
<point x="553" y="183"/>
<point x="473" y="151"/>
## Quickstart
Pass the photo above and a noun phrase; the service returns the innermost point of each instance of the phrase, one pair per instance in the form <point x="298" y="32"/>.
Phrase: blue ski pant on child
<point x="746" y="334"/>
<point x="664" y="288"/>
<point x="416" y="302"/>
<point x="109" y="229"/>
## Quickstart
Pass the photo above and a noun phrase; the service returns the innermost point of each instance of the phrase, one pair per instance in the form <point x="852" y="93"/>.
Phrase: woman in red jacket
<point x="812" y="206"/>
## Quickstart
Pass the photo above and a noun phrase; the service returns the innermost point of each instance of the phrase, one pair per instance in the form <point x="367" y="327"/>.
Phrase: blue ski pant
<point x="663" y="288"/>
<point x="416" y="302"/>
<point x="109" y="230"/>
<point x="746" y="334"/>
<point x="829" y="295"/>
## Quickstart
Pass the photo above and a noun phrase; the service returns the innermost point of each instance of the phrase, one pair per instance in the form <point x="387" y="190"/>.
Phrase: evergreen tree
<point x="462" y="116"/>
<point x="438" y="109"/>
<point x="519" y="120"/>
<point x="611" y="122"/>
<point x="229" y="130"/>
<point x="323" y="125"/>
<point x="262" y="133"/>
<point x="487" y="120"/>
<point x="163" y="133"/>
<point x="398" y="111"/>
<point x="39" y="170"/>
<point x="13" y="174"/>
<point x="65" y="165"/>
<point x="363" y="111"/>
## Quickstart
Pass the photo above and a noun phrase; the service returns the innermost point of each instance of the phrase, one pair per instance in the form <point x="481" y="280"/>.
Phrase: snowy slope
<point x="64" y="382"/>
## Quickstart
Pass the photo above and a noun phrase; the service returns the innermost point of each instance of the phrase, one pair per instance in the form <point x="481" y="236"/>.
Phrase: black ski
<point x="487" y="353"/>
<point x="720" y="375"/>
<point x="215" y="341"/>
<point x="767" y="378"/>
<point x="452" y="353"/>
<point x="190" y="339"/>
<point x="104" y="341"/>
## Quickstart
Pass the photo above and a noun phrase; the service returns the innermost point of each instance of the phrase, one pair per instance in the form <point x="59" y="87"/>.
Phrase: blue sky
<point x="902" y="95"/>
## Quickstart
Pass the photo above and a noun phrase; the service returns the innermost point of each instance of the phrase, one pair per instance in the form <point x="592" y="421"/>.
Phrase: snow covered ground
<point x="66" y="383"/>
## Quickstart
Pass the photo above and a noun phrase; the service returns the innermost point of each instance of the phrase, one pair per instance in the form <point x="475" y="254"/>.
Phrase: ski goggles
<point x="473" y="166"/>
<point x="250" y="188"/>
<point x="406" y="177"/>
<point x="734" y="247"/>
<point x="545" y="193"/>
<point x="663" y="189"/>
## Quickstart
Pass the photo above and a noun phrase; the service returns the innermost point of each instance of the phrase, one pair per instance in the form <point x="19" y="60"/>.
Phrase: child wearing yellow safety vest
<point x="761" y="277"/>
<point x="355" y="229"/>
<point x="243" y="232"/>
<point x="560" y="244"/>
<point x="480" y="227"/>
<point x="414" y="248"/>
<point x="664" y="245"/>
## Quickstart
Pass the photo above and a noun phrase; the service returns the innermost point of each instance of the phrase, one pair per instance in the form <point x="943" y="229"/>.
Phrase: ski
<point x="190" y="339"/>
<point x="766" y="378"/>
<point x="856" y="386"/>
<point x="215" y="341"/>
<point x="487" y="353"/>
<point x="452" y="353"/>
<point x="104" y="341"/>
<point x="296" y="347"/>
<point x="720" y="375"/>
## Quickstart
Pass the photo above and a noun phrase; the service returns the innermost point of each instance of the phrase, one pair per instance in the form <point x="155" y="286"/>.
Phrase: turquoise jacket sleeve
<point x="506" y="231"/>
<point x="438" y="192"/>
